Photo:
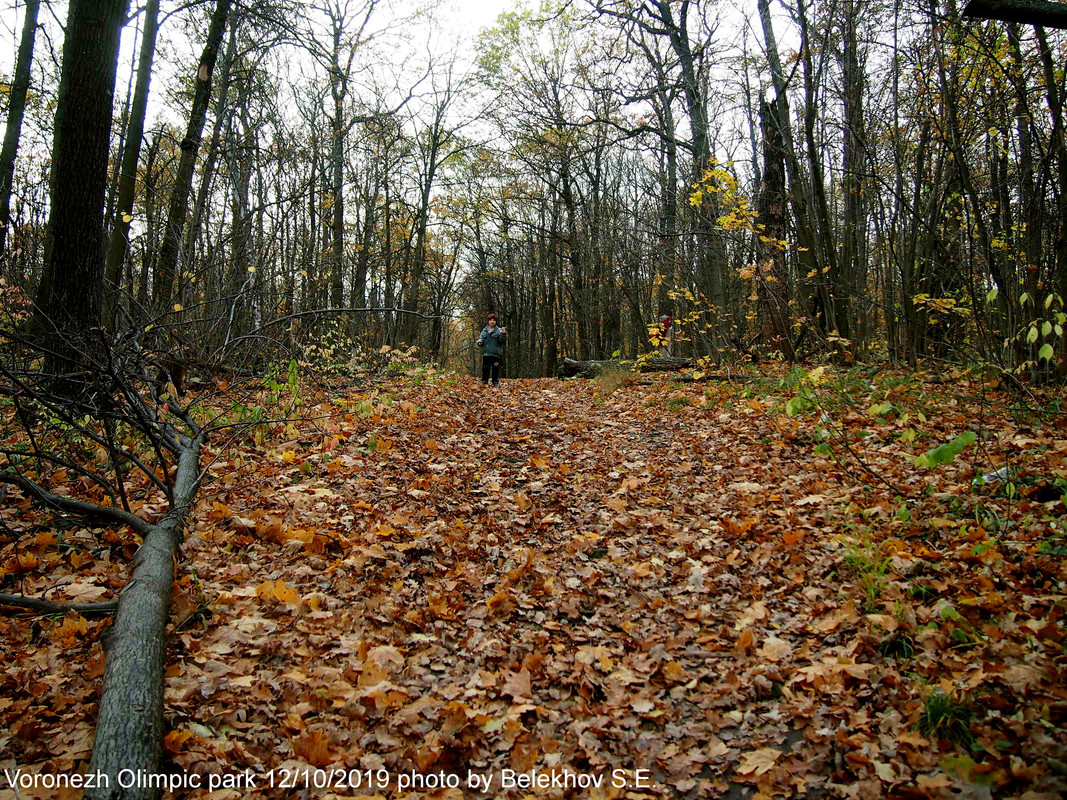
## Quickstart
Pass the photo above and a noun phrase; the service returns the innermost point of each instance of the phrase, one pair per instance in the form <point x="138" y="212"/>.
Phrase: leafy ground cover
<point x="797" y="586"/>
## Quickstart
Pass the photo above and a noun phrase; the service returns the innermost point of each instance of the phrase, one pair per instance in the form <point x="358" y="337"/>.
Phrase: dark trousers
<point x="491" y="366"/>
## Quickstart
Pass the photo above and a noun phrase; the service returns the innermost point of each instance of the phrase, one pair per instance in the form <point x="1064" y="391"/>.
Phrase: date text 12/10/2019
<point x="477" y="781"/>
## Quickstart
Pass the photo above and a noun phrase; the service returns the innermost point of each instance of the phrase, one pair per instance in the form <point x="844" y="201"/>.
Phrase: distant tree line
<point x="852" y="179"/>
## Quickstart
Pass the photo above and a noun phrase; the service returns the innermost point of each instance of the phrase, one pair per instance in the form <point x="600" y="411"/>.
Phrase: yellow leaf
<point x="286" y="594"/>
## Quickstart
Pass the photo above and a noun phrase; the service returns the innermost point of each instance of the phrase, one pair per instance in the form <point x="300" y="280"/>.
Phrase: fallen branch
<point x="571" y="368"/>
<point x="71" y="506"/>
<point x="665" y="364"/>
<point x="53" y="607"/>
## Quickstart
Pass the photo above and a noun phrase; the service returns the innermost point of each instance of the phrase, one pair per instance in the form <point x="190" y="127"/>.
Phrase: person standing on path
<point x="492" y="342"/>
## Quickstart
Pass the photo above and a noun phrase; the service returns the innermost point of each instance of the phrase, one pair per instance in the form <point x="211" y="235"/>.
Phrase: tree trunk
<point x="1059" y="147"/>
<point x="773" y="291"/>
<point x="16" y="108"/>
<point x="120" y="233"/>
<point x="70" y="293"/>
<point x="167" y="266"/>
<point x="807" y="256"/>
<point x="207" y="174"/>
<point x="853" y="264"/>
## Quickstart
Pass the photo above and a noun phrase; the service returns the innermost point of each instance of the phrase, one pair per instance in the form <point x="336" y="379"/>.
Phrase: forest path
<point x="535" y="576"/>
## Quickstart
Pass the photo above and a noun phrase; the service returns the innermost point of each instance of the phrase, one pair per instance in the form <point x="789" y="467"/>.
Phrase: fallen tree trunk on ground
<point x="129" y="729"/>
<point x="665" y="364"/>
<point x="701" y="379"/>
<point x="571" y="368"/>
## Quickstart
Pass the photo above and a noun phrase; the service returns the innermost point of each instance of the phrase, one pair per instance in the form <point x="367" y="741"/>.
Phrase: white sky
<point x="460" y="17"/>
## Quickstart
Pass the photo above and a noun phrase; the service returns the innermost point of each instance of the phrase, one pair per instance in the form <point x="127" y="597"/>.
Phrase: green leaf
<point x="947" y="452"/>
<point x="1031" y="334"/>
<point x="1045" y="352"/>
<point x="880" y="409"/>
<point x="989" y="298"/>
<point x="1046" y="328"/>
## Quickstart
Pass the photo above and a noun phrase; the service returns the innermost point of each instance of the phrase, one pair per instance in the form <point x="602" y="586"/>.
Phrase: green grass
<point x="944" y="717"/>
<point x="678" y="402"/>
<point x="869" y="566"/>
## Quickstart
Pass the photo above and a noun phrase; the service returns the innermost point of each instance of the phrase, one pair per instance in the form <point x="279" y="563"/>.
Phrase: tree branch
<point x="53" y="607"/>
<point x="79" y="507"/>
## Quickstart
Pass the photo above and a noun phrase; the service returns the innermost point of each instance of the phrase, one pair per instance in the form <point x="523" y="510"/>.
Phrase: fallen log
<point x="703" y="378"/>
<point x="665" y="364"/>
<point x="129" y="728"/>
<point x="572" y="368"/>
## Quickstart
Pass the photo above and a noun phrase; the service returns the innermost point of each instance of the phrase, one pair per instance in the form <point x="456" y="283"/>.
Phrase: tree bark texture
<point x="1032" y="12"/>
<point x="70" y="293"/>
<point x="129" y="729"/>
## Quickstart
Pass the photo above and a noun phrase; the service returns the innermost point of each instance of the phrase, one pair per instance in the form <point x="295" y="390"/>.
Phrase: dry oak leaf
<point x="758" y="761"/>
<point x="746" y="641"/>
<point x="173" y="741"/>
<point x="501" y="603"/>
<point x="1022" y="677"/>
<point x="754" y="613"/>
<point x="385" y="654"/>
<point x="775" y="649"/>
<point x="67" y="635"/>
<point x="517" y="685"/>
<point x="314" y="747"/>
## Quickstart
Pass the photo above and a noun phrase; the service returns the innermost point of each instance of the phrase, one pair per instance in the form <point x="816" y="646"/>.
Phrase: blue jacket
<point x="492" y="341"/>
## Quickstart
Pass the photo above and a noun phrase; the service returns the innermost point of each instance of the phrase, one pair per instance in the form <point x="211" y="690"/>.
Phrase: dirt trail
<point x="523" y="578"/>
<point x="661" y="592"/>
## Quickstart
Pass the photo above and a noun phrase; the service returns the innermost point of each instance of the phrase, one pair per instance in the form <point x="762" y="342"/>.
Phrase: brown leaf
<point x="758" y="761"/>
<point x="517" y="685"/>
<point x="315" y="747"/>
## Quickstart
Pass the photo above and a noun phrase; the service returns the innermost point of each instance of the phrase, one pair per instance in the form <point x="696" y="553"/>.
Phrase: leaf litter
<point x="549" y="577"/>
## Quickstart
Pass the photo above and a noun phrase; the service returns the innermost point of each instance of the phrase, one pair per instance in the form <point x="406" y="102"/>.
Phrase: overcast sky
<point x="460" y="16"/>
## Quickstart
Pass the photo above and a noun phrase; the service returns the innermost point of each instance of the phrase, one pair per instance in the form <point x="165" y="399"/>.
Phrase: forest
<point x="874" y="180"/>
<point x="770" y="502"/>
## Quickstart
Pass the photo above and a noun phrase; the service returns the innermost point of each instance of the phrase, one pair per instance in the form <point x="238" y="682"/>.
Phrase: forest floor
<point x="671" y="591"/>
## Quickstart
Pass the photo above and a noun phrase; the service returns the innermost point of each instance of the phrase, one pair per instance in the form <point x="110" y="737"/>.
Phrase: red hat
<point x="491" y="316"/>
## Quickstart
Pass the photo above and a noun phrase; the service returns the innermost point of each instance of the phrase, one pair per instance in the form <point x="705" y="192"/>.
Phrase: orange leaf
<point x="314" y="747"/>
<point x="173" y="741"/>
<point x="286" y="594"/>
